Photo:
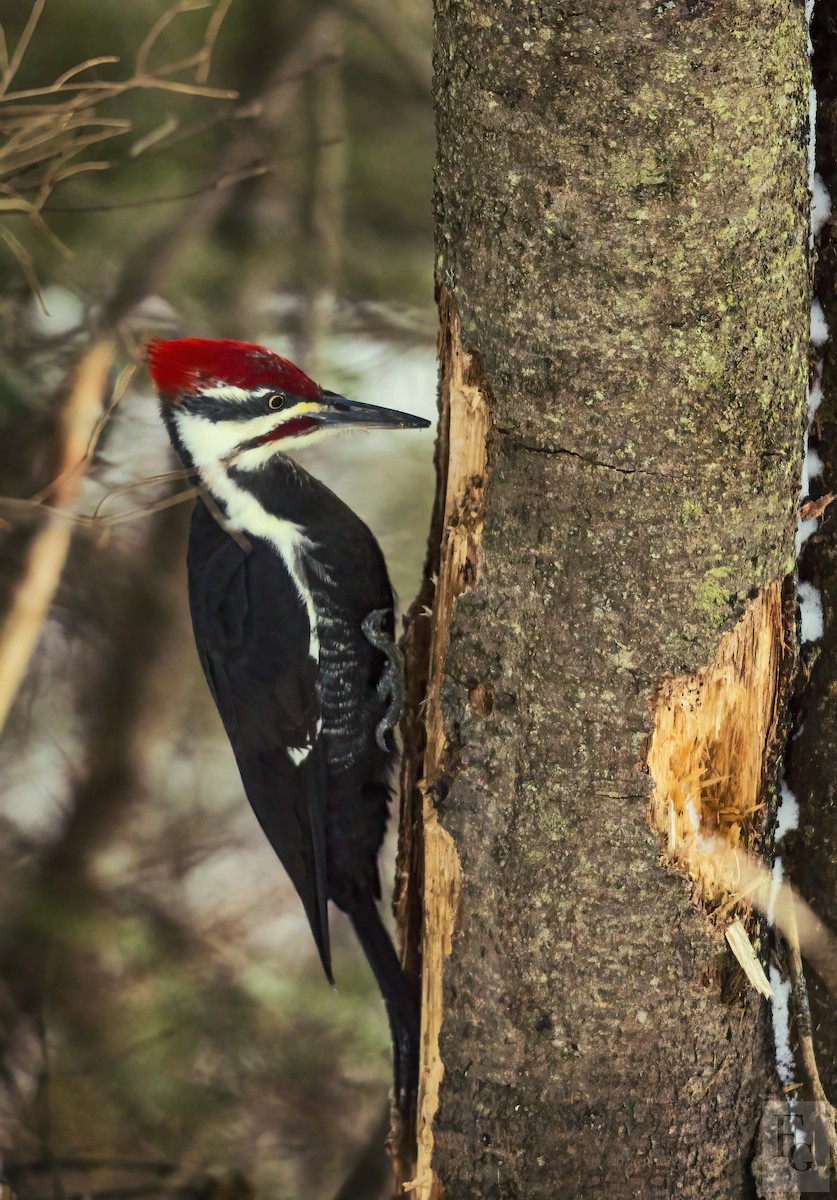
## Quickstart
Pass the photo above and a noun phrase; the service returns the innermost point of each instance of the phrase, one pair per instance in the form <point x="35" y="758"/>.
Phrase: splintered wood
<point x="464" y="435"/>
<point x="739" y="943"/>
<point x="711" y="739"/>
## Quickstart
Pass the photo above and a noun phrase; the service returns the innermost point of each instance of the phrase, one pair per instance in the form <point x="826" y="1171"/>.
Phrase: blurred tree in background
<point x="235" y="168"/>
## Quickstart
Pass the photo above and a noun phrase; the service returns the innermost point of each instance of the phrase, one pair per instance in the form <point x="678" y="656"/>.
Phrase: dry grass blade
<point x="160" y="26"/>
<point x="228" y="179"/>
<point x="26" y="262"/>
<point x="47" y="133"/>
<point x="35" y="509"/>
<point x="21" y="47"/>
<point x="123" y="382"/>
<point x="48" y="550"/>
<point x="183" y="89"/>
<point x="147" y="510"/>
<point x="126" y="488"/>
<point x="212" y="31"/>
<point x="42" y="226"/>
<point x="14" y="203"/>
<point x="169" y="126"/>
<point x="51" y="159"/>
<point x="79" y="466"/>
<point x="70" y="172"/>
<point x="16" y="103"/>
<point x="102" y="60"/>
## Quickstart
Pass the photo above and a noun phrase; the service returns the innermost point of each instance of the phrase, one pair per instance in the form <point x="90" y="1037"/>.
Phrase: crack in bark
<point x="552" y="450"/>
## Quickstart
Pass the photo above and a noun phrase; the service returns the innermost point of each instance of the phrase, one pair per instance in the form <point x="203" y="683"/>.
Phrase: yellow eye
<point x="276" y="401"/>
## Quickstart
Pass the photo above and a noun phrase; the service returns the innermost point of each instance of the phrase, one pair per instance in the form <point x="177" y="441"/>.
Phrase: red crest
<point x="185" y="365"/>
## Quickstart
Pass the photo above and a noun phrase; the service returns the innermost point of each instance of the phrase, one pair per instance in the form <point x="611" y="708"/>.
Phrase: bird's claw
<point x="391" y="683"/>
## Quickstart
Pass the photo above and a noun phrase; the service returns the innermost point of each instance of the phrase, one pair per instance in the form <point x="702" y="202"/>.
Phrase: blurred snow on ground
<point x="820" y="205"/>
<point x="60" y="313"/>
<point x="787" y="814"/>
<point x="810" y="612"/>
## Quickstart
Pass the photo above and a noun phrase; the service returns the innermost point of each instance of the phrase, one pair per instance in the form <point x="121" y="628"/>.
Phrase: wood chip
<point x="742" y="948"/>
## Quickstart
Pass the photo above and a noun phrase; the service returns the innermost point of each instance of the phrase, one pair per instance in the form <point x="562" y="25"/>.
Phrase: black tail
<point x="399" y="998"/>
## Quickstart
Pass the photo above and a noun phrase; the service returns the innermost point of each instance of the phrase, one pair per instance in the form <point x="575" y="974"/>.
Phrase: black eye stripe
<point x="214" y="408"/>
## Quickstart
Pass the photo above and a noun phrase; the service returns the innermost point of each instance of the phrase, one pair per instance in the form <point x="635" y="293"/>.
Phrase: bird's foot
<point x="391" y="683"/>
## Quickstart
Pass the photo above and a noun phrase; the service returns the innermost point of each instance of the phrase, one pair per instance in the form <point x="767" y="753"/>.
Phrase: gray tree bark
<point x="623" y="276"/>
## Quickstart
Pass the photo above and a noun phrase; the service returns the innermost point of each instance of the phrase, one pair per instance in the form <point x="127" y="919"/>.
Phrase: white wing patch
<point x="298" y="754"/>
<point x="227" y="391"/>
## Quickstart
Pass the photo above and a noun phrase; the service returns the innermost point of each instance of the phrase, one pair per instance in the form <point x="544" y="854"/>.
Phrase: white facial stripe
<point x="210" y="441"/>
<point x="245" y="513"/>
<point x="227" y="391"/>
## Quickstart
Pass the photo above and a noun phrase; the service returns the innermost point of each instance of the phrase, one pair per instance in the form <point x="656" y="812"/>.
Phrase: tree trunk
<point x="622" y="266"/>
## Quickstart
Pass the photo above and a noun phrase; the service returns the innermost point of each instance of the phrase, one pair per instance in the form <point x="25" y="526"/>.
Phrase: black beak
<point x="353" y="414"/>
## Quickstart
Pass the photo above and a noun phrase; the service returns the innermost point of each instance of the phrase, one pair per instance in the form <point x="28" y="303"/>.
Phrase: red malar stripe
<point x="295" y="425"/>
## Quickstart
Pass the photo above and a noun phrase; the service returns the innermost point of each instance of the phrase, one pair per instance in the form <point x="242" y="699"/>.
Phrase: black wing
<point x="252" y="633"/>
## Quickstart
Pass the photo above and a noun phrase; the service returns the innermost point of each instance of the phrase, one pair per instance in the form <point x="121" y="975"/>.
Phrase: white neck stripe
<point x="244" y="513"/>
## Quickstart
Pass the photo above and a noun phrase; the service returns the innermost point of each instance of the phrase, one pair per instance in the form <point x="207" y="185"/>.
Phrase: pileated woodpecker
<point x="292" y="611"/>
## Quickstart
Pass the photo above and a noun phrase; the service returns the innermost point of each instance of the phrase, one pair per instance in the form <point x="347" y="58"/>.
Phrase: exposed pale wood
<point x="465" y="415"/>
<point x="47" y="553"/>
<point x="709" y="759"/>
<point x="709" y="751"/>
<point x="710" y="762"/>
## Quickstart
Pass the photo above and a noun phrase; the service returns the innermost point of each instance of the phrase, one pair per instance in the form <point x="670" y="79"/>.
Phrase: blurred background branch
<point x="34" y="592"/>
